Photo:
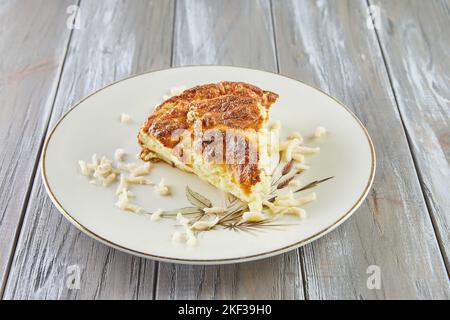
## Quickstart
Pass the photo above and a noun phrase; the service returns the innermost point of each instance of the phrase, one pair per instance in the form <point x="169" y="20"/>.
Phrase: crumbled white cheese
<point x="101" y="171"/>
<point x="85" y="171"/>
<point x="299" y="212"/>
<point x="301" y="167"/>
<point x="252" y="216"/>
<point x="109" y="179"/>
<point x="138" y="180"/>
<point x="296" y="135"/>
<point x="204" y="225"/>
<point x="178" y="237"/>
<point x="182" y="220"/>
<point x="192" y="241"/>
<point x="123" y="203"/>
<point x="94" y="160"/>
<point x="319" y="132"/>
<point x="295" y="202"/>
<point x="271" y="206"/>
<point x="214" y="210"/>
<point x="119" y="155"/>
<point x="294" y="143"/>
<point x="255" y="206"/>
<point x="307" y="199"/>
<point x="142" y="170"/>
<point x="162" y="189"/>
<point x="156" y="215"/>
<point x="288" y="196"/>
<point x="294" y="183"/>
<point x="125" y="118"/>
<point x="298" y="157"/>
<point x="165" y="97"/>
<point x="306" y="150"/>
<point x="123" y="184"/>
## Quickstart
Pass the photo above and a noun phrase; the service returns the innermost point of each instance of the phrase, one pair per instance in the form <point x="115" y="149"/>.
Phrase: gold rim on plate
<point x="296" y="245"/>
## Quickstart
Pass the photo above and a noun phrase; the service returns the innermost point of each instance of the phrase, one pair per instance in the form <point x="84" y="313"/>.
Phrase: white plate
<point x="93" y="126"/>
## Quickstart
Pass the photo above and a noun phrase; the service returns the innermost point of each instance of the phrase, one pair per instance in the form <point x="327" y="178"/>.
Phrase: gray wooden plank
<point x="416" y="43"/>
<point x="239" y="33"/>
<point x="116" y="39"/>
<point x="327" y="44"/>
<point x="32" y="50"/>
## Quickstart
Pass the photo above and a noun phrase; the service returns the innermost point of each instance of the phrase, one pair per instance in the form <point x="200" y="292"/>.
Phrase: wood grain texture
<point x="239" y="33"/>
<point x="415" y="39"/>
<point x="117" y="39"/>
<point x="328" y="44"/>
<point x="33" y="44"/>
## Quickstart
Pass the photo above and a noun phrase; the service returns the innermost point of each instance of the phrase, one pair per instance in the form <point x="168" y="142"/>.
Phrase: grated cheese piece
<point x="299" y="212"/>
<point x="295" y="202"/>
<point x="296" y="135"/>
<point x="298" y="157"/>
<point x="204" y="225"/>
<point x="294" y="183"/>
<point x="156" y="215"/>
<point x="162" y="189"/>
<point x="125" y="118"/>
<point x="109" y="180"/>
<point x="307" y="199"/>
<point x="319" y="132"/>
<point x="294" y="143"/>
<point x="301" y="167"/>
<point x="119" y="155"/>
<point x="288" y="196"/>
<point x="95" y="160"/>
<point x="178" y="237"/>
<point x="182" y="220"/>
<point x="307" y="150"/>
<point x="85" y="170"/>
<point x="192" y="241"/>
<point x="101" y="171"/>
<point x="123" y="203"/>
<point x="253" y="216"/>
<point x="271" y="206"/>
<point x="123" y="185"/>
<point x="138" y="180"/>
<point x="142" y="170"/>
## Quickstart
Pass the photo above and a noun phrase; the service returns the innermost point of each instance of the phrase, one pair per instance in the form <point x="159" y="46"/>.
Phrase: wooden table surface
<point x="391" y="67"/>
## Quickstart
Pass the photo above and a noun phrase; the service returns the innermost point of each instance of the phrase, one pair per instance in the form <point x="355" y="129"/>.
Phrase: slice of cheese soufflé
<point x="218" y="132"/>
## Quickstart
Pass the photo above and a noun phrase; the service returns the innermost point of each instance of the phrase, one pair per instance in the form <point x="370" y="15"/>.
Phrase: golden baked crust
<point x="233" y="104"/>
<point x="225" y="106"/>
